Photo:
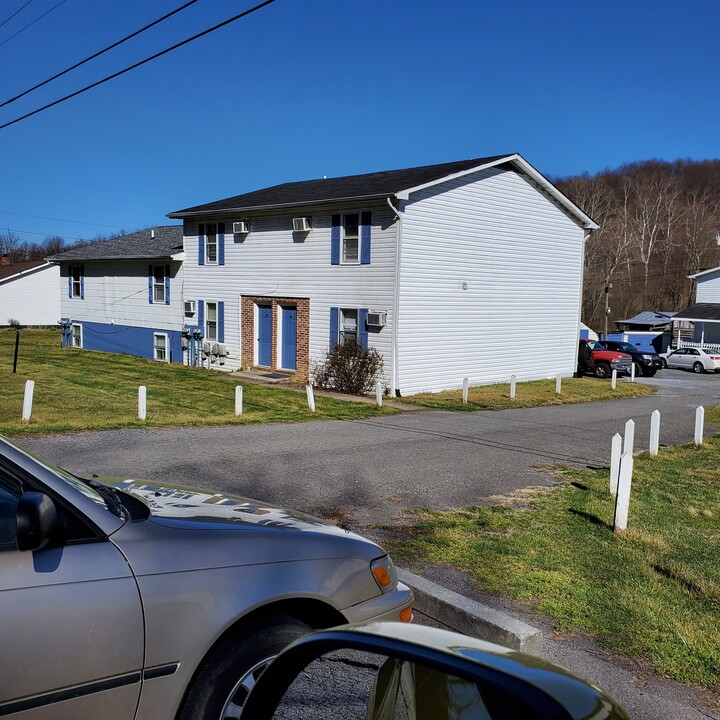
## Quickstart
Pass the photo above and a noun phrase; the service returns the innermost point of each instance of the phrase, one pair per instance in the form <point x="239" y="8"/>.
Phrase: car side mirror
<point x="395" y="671"/>
<point x="37" y="521"/>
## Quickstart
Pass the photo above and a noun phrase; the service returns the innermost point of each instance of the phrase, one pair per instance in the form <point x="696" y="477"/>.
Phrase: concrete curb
<point x="467" y="616"/>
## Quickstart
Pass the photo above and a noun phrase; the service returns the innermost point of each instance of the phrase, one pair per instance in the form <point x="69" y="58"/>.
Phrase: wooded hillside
<point x="659" y="222"/>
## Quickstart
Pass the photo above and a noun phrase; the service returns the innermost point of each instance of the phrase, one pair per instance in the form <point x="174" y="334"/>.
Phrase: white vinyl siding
<point x="491" y="284"/>
<point x="33" y="297"/>
<point x="272" y="262"/>
<point x="117" y="292"/>
<point x="708" y="288"/>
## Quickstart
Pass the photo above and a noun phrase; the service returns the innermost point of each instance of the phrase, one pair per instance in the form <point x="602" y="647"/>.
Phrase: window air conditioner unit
<point x="190" y="307"/>
<point x="377" y="319"/>
<point x="241" y="228"/>
<point x="302" y="224"/>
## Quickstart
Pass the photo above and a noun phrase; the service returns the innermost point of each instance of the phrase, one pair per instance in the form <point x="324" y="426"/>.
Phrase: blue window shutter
<point x="221" y="243"/>
<point x="150" y="284"/>
<point x="201" y="244"/>
<point x="335" y="242"/>
<point x="82" y="282"/>
<point x="70" y="281"/>
<point x="167" y="284"/>
<point x="221" y="321"/>
<point x="365" y="234"/>
<point x="334" y="327"/>
<point x="201" y="315"/>
<point x="362" y="328"/>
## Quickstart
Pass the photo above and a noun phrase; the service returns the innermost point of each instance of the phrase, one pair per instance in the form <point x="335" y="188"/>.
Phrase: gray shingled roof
<point x="140" y="245"/>
<point x="649" y="317"/>
<point x="700" y="311"/>
<point x="369" y="186"/>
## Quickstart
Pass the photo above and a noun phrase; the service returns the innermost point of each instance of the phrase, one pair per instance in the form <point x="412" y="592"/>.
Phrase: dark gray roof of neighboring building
<point x="138" y="245"/>
<point x="700" y="311"/>
<point x="369" y="186"/>
<point x="649" y="317"/>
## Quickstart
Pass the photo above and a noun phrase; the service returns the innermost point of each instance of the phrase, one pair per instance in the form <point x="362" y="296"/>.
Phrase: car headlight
<point x="385" y="574"/>
<point x="647" y="357"/>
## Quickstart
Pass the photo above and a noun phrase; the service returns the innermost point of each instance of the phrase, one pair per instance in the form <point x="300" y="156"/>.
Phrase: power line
<point x="138" y="64"/>
<point x="30" y="232"/>
<point x="7" y="20"/>
<point x="22" y="29"/>
<point x="75" y="222"/>
<point x="98" y="54"/>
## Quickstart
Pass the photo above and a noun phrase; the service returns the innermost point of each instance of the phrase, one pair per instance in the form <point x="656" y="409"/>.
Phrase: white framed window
<point x="158" y="274"/>
<point x="76" y="282"/>
<point x="351" y="238"/>
<point x="211" y="244"/>
<point x="348" y="325"/>
<point x="76" y="335"/>
<point x="160" y="347"/>
<point x="211" y="324"/>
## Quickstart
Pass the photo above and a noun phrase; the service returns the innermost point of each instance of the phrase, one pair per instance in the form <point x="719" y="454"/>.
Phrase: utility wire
<point x="138" y="64"/>
<point x="7" y="20"/>
<point x="98" y="54"/>
<point x="22" y="29"/>
<point x="75" y="222"/>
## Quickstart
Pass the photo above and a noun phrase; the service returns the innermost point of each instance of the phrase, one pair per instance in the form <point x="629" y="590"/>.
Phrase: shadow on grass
<point x="594" y="519"/>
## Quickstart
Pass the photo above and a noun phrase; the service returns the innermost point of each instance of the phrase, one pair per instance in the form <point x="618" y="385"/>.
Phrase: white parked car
<point x="696" y="359"/>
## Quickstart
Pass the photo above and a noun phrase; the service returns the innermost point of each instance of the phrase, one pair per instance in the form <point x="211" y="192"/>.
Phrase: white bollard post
<point x="655" y="433"/>
<point x="629" y="437"/>
<point x="238" y="400"/>
<point x="465" y="391"/>
<point x="615" y="453"/>
<point x="310" y="397"/>
<point x="613" y="382"/>
<point x="622" y="504"/>
<point x="632" y="372"/>
<point x="142" y="402"/>
<point x="378" y="394"/>
<point x="699" y="424"/>
<point x="513" y="380"/>
<point x="28" y="400"/>
<point x="558" y="384"/>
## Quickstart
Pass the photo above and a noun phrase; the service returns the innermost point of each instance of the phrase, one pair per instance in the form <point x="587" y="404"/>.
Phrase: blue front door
<point x="289" y="337"/>
<point x="264" y="335"/>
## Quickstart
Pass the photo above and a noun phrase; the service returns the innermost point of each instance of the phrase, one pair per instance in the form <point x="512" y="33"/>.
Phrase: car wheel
<point x="602" y="370"/>
<point x="638" y="369"/>
<point x="649" y="373"/>
<point x="221" y="686"/>
<point x="698" y="367"/>
<point x="664" y="363"/>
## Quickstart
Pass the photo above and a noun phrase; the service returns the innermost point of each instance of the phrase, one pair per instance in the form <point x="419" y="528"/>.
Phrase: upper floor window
<point x="158" y="275"/>
<point x="211" y="321"/>
<point x="351" y="238"/>
<point x="77" y="281"/>
<point x="211" y="244"/>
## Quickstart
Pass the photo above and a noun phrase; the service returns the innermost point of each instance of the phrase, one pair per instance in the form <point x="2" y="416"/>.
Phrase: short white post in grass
<point x="558" y="384"/>
<point x="310" y="397"/>
<point x="238" y="400"/>
<point x="632" y="372"/>
<point x="615" y="453"/>
<point x="629" y="441"/>
<point x="699" y="423"/>
<point x="513" y="380"/>
<point x="613" y="382"/>
<point x="28" y="400"/>
<point x="465" y="390"/>
<point x="655" y="433"/>
<point x="142" y="402"/>
<point x="378" y="394"/>
<point x="622" y="503"/>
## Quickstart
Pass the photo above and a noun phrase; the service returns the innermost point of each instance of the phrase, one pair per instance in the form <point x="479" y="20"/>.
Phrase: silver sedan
<point x="696" y="359"/>
<point x="122" y="599"/>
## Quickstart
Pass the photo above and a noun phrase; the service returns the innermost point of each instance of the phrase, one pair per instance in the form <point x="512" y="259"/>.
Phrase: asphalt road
<point x="368" y="472"/>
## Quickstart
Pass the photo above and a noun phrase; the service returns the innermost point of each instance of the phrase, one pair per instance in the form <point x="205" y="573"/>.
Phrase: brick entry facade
<point x="303" y="332"/>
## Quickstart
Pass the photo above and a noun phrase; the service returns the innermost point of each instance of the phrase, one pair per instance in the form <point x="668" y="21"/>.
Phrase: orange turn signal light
<point x="382" y="576"/>
<point x="406" y="615"/>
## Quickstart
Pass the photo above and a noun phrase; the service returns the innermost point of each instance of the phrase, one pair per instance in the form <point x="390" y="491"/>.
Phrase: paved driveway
<point x="368" y="471"/>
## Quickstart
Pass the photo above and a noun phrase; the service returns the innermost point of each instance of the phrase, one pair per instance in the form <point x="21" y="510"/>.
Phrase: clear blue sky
<point x="306" y="88"/>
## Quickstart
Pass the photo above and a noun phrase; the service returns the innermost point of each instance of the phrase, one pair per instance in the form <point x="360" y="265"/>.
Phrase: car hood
<point x="194" y="508"/>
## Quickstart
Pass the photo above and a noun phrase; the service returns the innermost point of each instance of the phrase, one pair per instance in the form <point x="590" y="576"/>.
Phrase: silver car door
<point x="71" y="627"/>
<point x="678" y="358"/>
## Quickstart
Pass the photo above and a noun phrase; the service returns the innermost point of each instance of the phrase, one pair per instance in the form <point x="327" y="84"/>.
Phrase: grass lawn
<point x="652" y="592"/>
<point x="529" y="394"/>
<point x="81" y="390"/>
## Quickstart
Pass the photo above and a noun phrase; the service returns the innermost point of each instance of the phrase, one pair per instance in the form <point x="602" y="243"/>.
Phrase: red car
<point x="595" y="358"/>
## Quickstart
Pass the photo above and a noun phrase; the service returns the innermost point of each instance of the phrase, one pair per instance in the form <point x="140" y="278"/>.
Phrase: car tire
<point x="221" y="685"/>
<point x="664" y="363"/>
<point x="602" y="370"/>
<point x="638" y="369"/>
<point x="649" y="373"/>
<point x="698" y="368"/>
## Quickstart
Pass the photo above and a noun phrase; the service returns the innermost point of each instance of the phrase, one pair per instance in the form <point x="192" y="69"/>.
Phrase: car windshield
<point x="625" y="347"/>
<point x="595" y="345"/>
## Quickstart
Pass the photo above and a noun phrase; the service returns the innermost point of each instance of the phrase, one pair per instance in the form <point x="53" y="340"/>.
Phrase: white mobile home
<point x="466" y="269"/>
<point x="29" y="292"/>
